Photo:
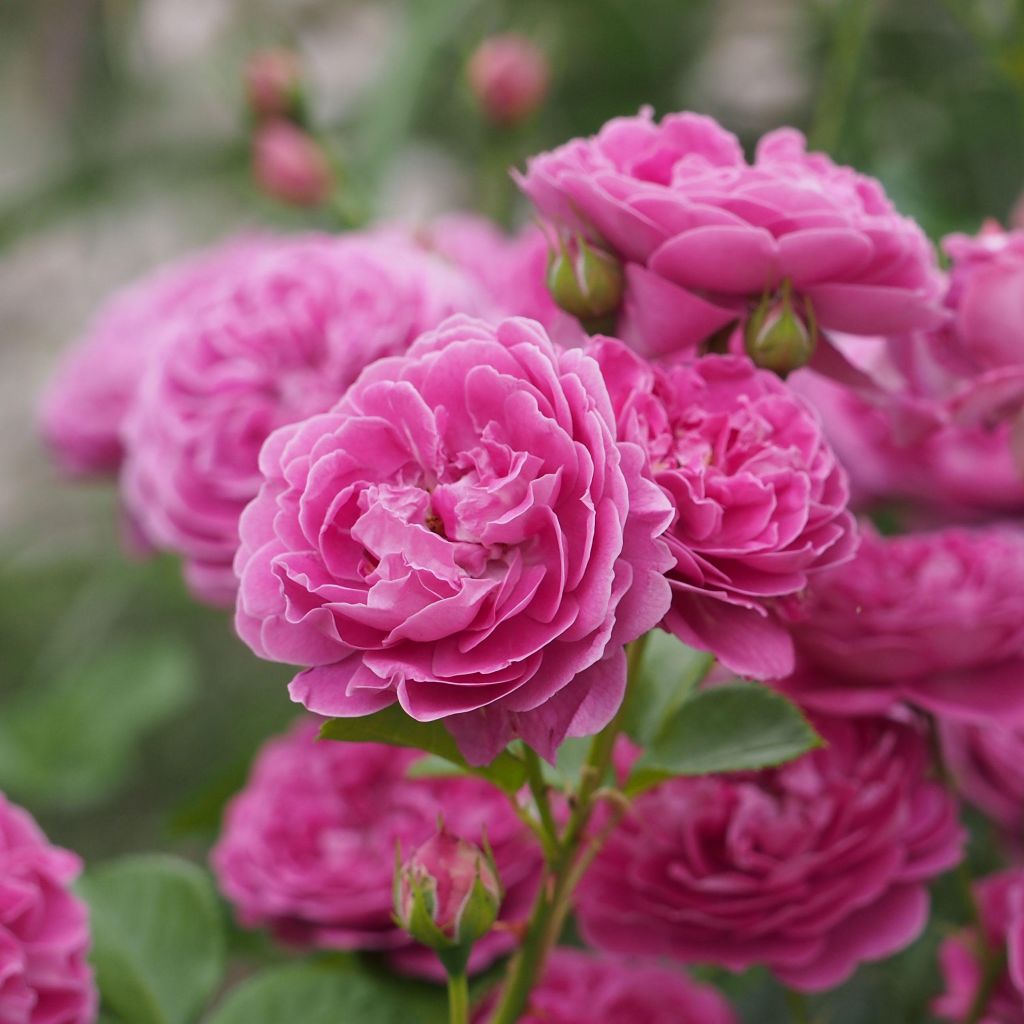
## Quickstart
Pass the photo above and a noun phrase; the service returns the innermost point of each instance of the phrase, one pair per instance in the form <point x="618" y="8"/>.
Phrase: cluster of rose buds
<point x="289" y="164"/>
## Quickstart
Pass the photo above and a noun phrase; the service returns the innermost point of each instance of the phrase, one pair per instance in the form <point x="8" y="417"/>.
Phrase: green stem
<point x="458" y="999"/>
<point x="798" y="1008"/>
<point x="852" y="24"/>
<point x="539" y="791"/>
<point x="554" y="899"/>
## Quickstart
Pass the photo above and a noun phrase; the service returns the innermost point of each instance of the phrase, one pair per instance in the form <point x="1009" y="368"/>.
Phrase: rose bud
<point x="273" y="82"/>
<point x="509" y="77"/>
<point x="290" y="165"/>
<point x="781" y="334"/>
<point x="447" y="895"/>
<point x="584" y="281"/>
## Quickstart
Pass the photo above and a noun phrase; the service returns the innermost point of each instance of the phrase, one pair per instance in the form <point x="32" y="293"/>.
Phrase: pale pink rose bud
<point x="781" y="334"/>
<point x="290" y="165"/>
<point x="509" y="77"/>
<point x="273" y="82"/>
<point x="584" y="281"/>
<point x="447" y="895"/>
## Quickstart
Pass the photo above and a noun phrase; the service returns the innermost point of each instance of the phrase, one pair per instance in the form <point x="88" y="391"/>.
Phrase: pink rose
<point x="987" y="294"/>
<point x="1000" y="901"/>
<point x="978" y="356"/>
<point x="279" y="335"/>
<point x="760" y="499"/>
<point x="580" y="988"/>
<point x="83" y="408"/>
<point x="290" y="165"/>
<point x="509" y="76"/>
<point x="464" y="534"/>
<point x="809" y="869"/>
<point x="956" y="472"/>
<point x="706" y="236"/>
<point x="987" y="763"/>
<point x="45" y="977"/>
<point x="308" y="846"/>
<point x="511" y="269"/>
<point x="936" y="619"/>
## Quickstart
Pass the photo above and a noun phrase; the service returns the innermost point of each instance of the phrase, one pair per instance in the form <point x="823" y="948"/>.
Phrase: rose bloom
<point x="987" y="764"/>
<point x="706" y="235"/>
<point x="308" y="846"/>
<point x="954" y="473"/>
<point x="279" y="336"/>
<point x="809" y="869"/>
<point x="581" y="988"/>
<point x="936" y="619"/>
<point x="84" y="406"/>
<point x="45" y="977"/>
<point x="463" y="534"/>
<point x="760" y="499"/>
<point x="1000" y="901"/>
<point x="512" y="269"/>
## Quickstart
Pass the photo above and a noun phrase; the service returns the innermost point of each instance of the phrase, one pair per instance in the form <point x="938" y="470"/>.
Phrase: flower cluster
<point x="453" y="476"/>
<point x="707" y="236"/>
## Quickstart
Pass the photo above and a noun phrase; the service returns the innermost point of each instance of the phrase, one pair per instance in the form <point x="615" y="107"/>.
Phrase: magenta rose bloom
<point x="809" y="869"/>
<point x="1000" y="901"/>
<point x="581" y="988"/>
<point x="464" y="534"/>
<point x="760" y="499"/>
<point x="987" y="764"/>
<point x="284" y="330"/>
<point x="308" y="846"/>
<point x="707" y="236"/>
<point x="85" y="404"/>
<point x="936" y="619"/>
<point x="984" y="346"/>
<point x="45" y="977"/>
<point x="955" y="473"/>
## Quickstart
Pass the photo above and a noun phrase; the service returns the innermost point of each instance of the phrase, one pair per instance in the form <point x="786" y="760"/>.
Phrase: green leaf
<point x="329" y="994"/>
<point x="669" y="672"/>
<point x="158" y="938"/>
<point x="739" y="727"/>
<point x="73" y="741"/>
<point x="395" y="727"/>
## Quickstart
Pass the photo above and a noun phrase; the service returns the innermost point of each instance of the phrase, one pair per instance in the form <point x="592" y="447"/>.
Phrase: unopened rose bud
<point x="509" y="77"/>
<point x="781" y="334"/>
<point x="290" y="165"/>
<point x="584" y="281"/>
<point x="447" y="895"/>
<point x="273" y="82"/>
